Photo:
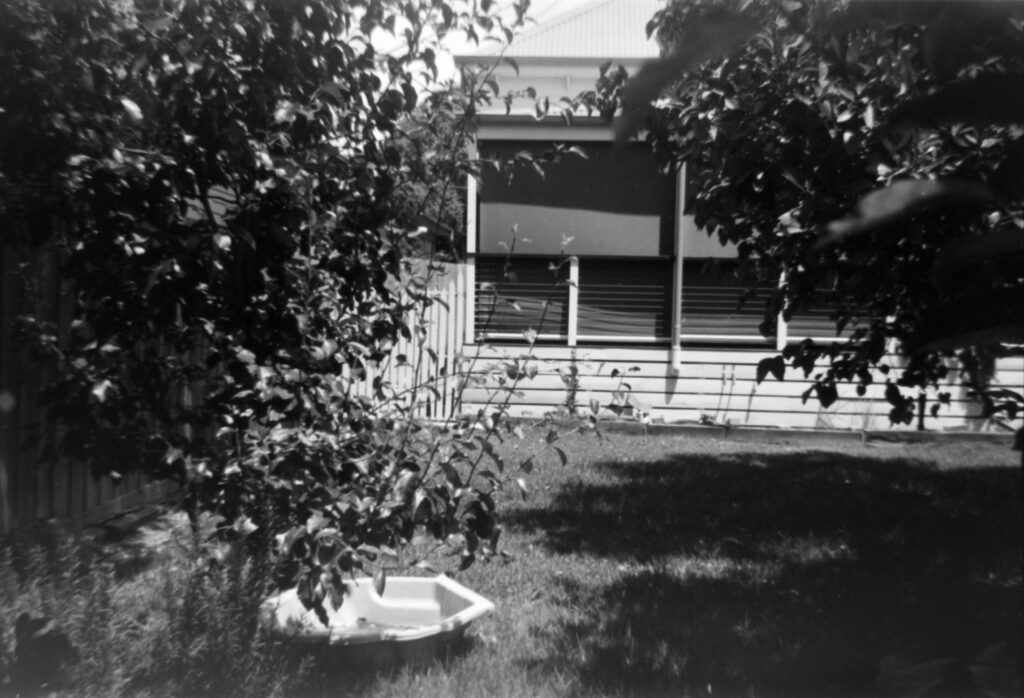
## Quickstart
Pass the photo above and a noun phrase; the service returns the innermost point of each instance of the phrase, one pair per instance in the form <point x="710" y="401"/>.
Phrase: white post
<point x="781" y="329"/>
<point x="574" y="298"/>
<point x="471" y="232"/>
<point x="677" y="272"/>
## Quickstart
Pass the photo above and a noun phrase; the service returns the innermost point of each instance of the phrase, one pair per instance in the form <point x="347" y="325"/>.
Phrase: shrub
<point x="220" y="174"/>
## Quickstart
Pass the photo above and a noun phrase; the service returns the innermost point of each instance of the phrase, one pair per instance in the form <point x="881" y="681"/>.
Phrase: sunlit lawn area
<point x="690" y="566"/>
<point x="649" y="565"/>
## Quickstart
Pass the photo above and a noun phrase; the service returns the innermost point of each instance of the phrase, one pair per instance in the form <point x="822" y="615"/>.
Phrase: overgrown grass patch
<point x="647" y="566"/>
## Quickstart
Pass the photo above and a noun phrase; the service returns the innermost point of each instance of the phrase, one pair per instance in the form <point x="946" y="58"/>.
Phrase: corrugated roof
<point x="603" y="29"/>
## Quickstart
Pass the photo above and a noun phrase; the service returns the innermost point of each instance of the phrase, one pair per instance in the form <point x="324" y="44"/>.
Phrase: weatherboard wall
<point x="703" y="385"/>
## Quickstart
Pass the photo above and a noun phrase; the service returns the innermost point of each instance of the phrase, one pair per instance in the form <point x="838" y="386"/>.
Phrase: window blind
<point x="613" y="202"/>
<point x="625" y="299"/>
<point x="712" y="309"/>
<point x="521" y="294"/>
<point x="816" y="320"/>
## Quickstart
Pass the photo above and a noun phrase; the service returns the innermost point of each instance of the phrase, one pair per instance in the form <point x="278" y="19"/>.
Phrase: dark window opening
<point x="514" y="296"/>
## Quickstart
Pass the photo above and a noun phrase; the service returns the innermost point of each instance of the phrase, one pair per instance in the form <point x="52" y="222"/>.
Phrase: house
<point x="634" y="308"/>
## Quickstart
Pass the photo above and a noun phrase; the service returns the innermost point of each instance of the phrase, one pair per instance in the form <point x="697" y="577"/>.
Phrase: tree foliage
<point x="431" y="196"/>
<point x="219" y="176"/>
<point x="872" y="149"/>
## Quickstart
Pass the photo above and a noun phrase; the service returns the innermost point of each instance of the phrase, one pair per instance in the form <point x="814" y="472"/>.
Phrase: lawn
<point x="684" y="566"/>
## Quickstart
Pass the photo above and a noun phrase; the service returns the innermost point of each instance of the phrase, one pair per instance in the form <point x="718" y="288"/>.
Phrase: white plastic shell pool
<point x="412" y="620"/>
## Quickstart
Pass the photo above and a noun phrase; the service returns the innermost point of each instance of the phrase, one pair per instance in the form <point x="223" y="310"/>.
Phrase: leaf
<point x="986" y="99"/>
<point x="1004" y="393"/>
<point x="132" y="109"/>
<point x="775" y="365"/>
<point x="805" y="395"/>
<point x="827" y="394"/>
<point x="369" y="551"/>
<point x="380" y="580"/>
<point x="521" y="484"/>
<point x="336" y="590"/>
<point x="892" y="394"/>
<point x="451" y="474"/>
<point x="561" y="456"/>
<point x="99" y="390"/>
<point x="901" y="199"/>
<point x="316" y="522"/>
<point x="717" y="35"/>
<point x="244" y="526"/>
<point x="222" y="241"/>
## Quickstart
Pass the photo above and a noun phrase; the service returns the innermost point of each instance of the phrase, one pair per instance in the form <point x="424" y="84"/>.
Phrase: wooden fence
<point x="34" y="489"/>
<point x="422" y="370"/>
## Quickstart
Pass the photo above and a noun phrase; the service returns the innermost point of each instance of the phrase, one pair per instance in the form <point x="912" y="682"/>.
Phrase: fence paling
<point x="441" y="325"/>
<point x="32" y="487"/>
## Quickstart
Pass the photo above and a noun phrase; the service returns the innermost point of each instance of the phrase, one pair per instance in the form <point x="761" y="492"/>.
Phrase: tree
<point x="840" y="148"/>
<point x="217" y="176"/>
<point x="432" y="196"/>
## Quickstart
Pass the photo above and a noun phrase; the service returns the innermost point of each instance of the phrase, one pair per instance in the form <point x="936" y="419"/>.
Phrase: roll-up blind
<point x="628" y="299"/>
<point x="520" y="294"/>
<point x="612" y="202"/>
<point x="712" y="310"/>
<point x="814" y="321"/>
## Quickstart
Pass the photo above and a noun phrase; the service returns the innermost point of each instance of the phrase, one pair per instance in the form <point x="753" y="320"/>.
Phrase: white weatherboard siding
<point x="718" y="385"/>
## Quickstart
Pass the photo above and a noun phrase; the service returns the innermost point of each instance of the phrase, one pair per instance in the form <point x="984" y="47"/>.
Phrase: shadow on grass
<point x="812" y="573"/>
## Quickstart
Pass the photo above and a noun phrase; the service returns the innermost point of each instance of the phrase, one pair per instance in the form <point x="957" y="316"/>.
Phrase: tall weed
<point x="186" y="623"/>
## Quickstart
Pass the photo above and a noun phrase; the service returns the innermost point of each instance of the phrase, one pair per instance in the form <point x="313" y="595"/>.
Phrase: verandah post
<point x="470" y="266"/>
<point x="574" y="298"/>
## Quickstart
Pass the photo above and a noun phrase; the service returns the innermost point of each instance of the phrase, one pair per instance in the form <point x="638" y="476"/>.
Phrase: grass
<point x="650" y="566"/>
